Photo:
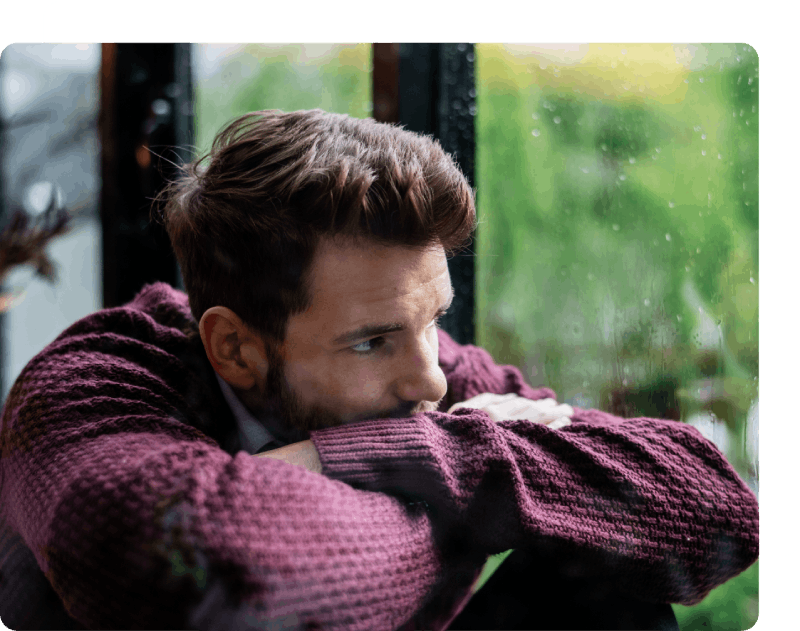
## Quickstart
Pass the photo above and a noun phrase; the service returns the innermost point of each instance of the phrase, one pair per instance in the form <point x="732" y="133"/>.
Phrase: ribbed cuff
<point x="367" y="452"/>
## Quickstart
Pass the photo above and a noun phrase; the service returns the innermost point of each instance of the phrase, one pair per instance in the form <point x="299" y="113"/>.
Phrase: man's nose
<point x="420" y="378"/>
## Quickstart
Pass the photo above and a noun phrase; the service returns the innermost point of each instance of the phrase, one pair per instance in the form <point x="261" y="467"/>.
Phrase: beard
<point x="296" y="419"/>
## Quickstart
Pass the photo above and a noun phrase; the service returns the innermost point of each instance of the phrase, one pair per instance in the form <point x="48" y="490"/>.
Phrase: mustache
<point x="408" y="408"/>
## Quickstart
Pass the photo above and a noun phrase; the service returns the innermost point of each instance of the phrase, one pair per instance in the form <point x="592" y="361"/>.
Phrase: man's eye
<point x="369" y="346"/>
<point x="372" y="345"/>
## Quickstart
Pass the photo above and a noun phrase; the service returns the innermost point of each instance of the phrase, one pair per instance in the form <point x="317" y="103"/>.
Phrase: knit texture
<point x="120" y="472"/>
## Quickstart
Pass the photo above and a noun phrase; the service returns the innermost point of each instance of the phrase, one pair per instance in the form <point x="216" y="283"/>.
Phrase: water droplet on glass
<point x="697" y="128"/>
<point x="658" y="149"/>
<point x="700" y="309"/>
<point x="752" y="280"/>
<point x="754" y="109"/>
<point x="622" y="176"/>
<point x="741" y="113"/>
<point x="632" y="160"/>
<point x="536" y="132"/>
<point x="680" y="318"/>
<point x="473" y="109"/>
<point x="668" y="237"/>
<point x="703" y="137"/>
<point x="739" y="80"/>
<point x="590" y="276"/>
<point x="615" y="226"/>
<point x="543" y="65"/>
<point x="557" y="120"/>
<point x="703" y="152"/>
<point x="470" y="57"/>
<point x="672" y="204"/>
<point x="546" y="105"/>
<point x="604" y="147"/>
<point x="750" y="81"/>
<point x="584" y="169"/>
<point x="747" y="122"/>
<point x="701" y="79"/>
<point x="646" y="302"/>
<point x="624" y="51"/>
<point x="686" y="80"/>
<point x="719" y="156"/>
<point x="535" y="116"/>
<point x="698" y="250"/>
<point x="687" y="268"/>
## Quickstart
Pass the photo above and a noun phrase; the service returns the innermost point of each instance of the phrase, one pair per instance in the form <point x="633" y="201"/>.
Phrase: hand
<point x="508" y="407"/>
<point x="302" y="454"/>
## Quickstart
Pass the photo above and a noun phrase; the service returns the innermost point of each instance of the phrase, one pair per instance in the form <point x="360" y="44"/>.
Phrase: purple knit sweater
<point x="120" y="473"/>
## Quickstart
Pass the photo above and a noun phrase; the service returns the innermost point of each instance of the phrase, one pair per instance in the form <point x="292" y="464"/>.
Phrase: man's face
<point x="367" y="347"/>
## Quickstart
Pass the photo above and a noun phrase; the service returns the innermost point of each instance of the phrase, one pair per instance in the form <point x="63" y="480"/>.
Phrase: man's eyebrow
<point x="374" y="330"/>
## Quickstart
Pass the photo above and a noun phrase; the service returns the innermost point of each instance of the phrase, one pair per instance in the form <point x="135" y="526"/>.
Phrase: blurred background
<point x="616" y="259"/>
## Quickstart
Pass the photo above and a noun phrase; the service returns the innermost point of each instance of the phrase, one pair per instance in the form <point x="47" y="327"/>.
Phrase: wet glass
<point x="617" y="188"/>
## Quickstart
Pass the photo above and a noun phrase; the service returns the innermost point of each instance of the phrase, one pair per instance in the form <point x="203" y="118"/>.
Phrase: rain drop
<point x="557" y="120"/>
<point x="750" y="81"/>
<point x="668" y="237"/>
<point x="536" y="132"/>
<point x="752" y="280"/>
<point x="658" y="149"/>
<point x="622" y="176"/>
<point x="615" y="226"/>
<point x="687" y="268"/>
<point x="701" y="79"/>
<point x="535" y="116"/>
<point x="719" y="156"/>
<point x="703" y="152"/>
<point x="697" y="128"/>
<point x="703" y="137"/>
<point x="624" y="51"/>
<point x="672" y="204"/>
<point x="604" y="147"/>
<point x="698" y="250"/>
<point x="646" y="302"/>
<point x="543" y="65"/>
<point x="632" y="160"/>
<point x="680" y="318"/>
<point x="584" y="169"/>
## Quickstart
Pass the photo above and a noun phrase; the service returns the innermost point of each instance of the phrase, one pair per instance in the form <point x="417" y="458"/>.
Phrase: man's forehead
<point x="374" y="272"/>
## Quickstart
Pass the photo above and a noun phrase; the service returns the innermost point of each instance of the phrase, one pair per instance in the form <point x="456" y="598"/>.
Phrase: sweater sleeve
<point x="139" y="520"/>
<point x="649" y="504"/>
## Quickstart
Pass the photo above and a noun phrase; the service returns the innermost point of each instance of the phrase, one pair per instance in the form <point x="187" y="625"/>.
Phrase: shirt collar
<point x="252" y="433"/>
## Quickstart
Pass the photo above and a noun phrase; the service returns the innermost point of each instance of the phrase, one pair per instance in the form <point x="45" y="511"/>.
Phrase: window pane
<point x="618" y="246"/>
<point x="50" y="147"/>
<point x="236" y="79"/>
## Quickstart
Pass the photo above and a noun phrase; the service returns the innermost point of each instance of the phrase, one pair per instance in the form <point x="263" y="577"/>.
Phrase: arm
<point x="140" y="521"/>
<point x="650" y="504"/>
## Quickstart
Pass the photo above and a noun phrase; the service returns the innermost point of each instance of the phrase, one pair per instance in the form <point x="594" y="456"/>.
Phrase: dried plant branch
<point x="24" y="239"/>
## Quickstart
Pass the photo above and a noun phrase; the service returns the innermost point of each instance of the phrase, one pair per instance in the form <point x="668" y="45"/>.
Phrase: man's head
<point x="298" y="225"/>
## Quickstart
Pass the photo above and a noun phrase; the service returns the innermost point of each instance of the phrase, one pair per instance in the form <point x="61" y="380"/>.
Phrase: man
<point x="314" y="252"/>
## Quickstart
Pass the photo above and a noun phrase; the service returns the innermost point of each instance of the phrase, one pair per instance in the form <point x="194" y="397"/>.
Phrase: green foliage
<point x="731" y="607"/>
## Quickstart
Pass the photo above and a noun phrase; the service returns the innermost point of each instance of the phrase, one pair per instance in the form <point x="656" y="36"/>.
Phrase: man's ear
<point x="235" y="352"/>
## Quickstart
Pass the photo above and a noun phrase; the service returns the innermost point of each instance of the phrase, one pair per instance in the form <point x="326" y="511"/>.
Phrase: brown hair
<point x="245" y="219"/>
